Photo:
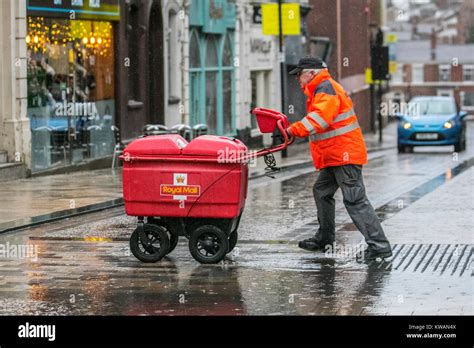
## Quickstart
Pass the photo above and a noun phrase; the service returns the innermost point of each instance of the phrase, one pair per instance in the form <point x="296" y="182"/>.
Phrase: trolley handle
<point x="287" y="142"/>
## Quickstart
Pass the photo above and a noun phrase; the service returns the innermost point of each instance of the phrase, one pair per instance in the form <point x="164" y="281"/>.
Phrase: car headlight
<point x="448" y="124"/>
<point x="406" y="125"/>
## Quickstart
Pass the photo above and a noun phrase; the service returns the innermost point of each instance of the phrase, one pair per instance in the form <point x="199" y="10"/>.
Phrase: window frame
<point x="203" y="41"/>
<point x="462" y="96"/>
<point x="419" y="67"/>
<point x="442" y="67"/>
<point x="469" y="67"/>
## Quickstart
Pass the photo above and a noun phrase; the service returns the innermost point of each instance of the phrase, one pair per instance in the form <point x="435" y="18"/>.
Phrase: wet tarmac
<point x="100" y="277"/>
<point x="83" y="265"/>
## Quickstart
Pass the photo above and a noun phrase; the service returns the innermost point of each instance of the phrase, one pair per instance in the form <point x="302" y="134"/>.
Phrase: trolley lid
<point x="215" y="146"/>
<point x="167" y="144"/>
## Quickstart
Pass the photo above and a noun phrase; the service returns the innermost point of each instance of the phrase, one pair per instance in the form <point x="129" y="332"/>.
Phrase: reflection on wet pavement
<point x="101" y="277"/>
<point x="83" y="266"/>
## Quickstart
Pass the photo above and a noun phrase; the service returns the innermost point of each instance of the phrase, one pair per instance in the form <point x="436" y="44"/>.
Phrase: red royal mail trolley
<point x="196" y="189"/>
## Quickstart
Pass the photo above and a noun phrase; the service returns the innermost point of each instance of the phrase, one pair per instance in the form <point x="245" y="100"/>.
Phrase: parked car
<point x="431" y="121"/>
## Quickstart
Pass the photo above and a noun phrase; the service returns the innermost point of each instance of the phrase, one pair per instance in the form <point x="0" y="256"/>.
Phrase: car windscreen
<point x="431" y="107"/>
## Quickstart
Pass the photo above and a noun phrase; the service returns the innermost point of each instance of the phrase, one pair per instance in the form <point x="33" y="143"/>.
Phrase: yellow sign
<point x="290" y="18"/>
<point x="392" y="38"/>
<point x="368" y="76"/>
<point x="392" y="67"/>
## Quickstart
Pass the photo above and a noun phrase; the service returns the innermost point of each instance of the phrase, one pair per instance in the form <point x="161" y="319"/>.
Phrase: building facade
<point x="426" y="68"/>
<point x="258" y="77"/>
<point x="77" y="75"/>
<point x="341" y="29"/>
<point x="152" y="44"/>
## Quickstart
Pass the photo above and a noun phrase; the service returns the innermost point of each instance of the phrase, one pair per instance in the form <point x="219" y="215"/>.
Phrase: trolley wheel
<point x="160" y="244"/>
<point x="233" y="240"/>
<point x="174" y="239"/>
<point x="208" y="244"/>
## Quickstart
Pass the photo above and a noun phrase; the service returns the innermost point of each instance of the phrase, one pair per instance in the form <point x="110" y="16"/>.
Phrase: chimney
<point x="433" y="44"/>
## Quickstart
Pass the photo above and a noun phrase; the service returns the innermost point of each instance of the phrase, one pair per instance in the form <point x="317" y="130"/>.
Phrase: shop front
<point x="212" y="65"/>
<point x="71" y="80"/>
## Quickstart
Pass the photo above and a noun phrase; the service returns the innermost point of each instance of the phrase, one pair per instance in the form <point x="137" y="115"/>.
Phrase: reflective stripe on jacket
<point x="331" y="124"/>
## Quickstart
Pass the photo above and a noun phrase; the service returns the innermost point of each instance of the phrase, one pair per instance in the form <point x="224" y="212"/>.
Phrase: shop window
<point x="227" y="84"/>
<point x="70" y="82"/>
<point x="194" y="51"/>
<point x="195" y="78"/>
<point x="211" y="83"/>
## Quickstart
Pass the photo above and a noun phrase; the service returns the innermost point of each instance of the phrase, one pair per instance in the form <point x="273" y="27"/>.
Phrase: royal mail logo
<point x="180" y="190"/>
<point x="180" y="179"/>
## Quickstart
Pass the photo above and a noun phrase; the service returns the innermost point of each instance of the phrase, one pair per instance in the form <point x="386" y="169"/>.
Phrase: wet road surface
<point x="83" y="265"/>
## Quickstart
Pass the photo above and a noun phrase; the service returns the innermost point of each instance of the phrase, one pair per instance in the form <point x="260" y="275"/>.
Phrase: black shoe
<point x="312" y="244"/>
<point x="377" y="255"/>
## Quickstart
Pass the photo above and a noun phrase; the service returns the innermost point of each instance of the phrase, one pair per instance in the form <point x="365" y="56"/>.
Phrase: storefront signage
<point x="75" y="9"/>
<point x="260" y="45"/>
<point x="257" y="14"/>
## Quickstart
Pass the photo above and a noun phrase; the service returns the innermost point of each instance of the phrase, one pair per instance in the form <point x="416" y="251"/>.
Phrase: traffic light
<point x="379" y="62"/>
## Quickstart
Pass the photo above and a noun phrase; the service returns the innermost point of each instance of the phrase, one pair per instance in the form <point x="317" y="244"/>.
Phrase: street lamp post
<point x="284" y="153"/>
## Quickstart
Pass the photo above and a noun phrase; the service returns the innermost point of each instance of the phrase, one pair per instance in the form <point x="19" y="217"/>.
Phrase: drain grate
<point x="447" y="259"/>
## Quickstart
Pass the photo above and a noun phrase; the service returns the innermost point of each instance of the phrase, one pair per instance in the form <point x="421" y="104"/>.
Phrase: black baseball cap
<point x="308" y="63"/>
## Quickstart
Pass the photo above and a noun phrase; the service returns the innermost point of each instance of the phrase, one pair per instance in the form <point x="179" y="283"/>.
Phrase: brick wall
<point x="456" y="73"/>
<point x="362" y="108"/>
<point x="407" y="73"/>
<point x="355" y="17"/>
<point x="431" y="72"/>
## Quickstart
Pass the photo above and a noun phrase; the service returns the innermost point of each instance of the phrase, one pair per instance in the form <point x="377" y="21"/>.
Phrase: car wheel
<point x="401" y="148"/>
<point x="460" y="146"/>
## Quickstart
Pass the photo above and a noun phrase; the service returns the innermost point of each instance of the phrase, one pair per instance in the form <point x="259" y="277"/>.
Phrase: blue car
<point x="431" y="121"/>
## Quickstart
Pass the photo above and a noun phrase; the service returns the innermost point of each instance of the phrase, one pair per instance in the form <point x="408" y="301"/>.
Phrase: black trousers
<point x="349" y="179"/>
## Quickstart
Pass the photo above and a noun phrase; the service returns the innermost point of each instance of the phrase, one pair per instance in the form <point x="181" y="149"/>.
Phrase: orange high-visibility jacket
<point x="331" y="123"/>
